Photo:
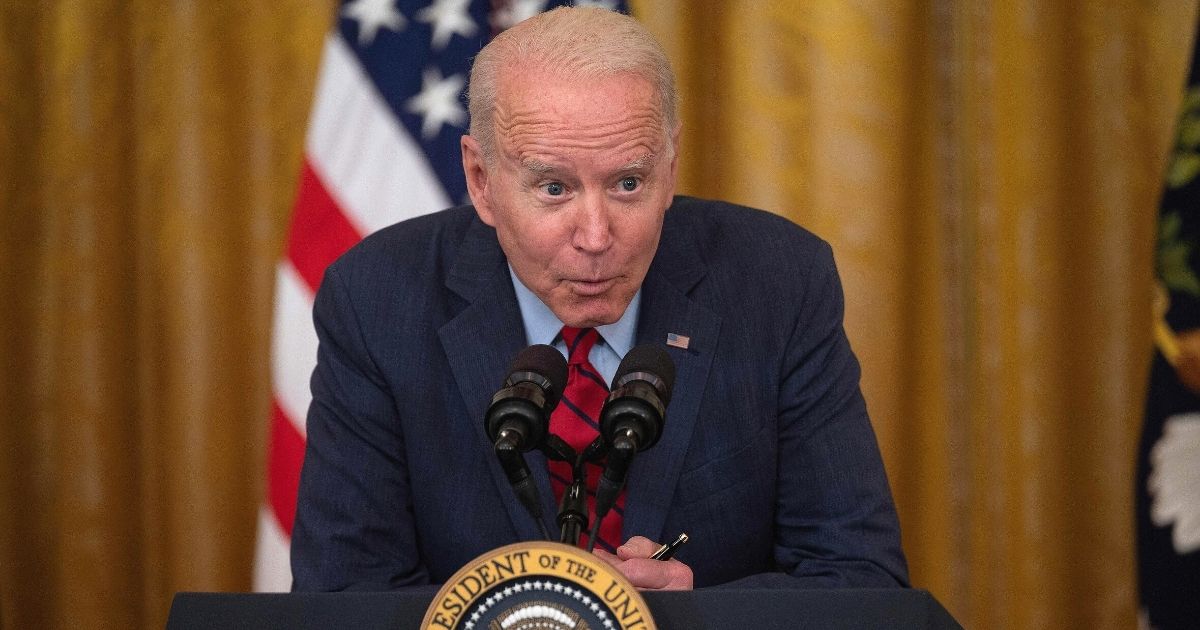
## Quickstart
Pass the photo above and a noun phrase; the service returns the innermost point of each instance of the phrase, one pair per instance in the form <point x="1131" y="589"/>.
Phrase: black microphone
<point x="519" y="418"/>
<point x="641" y="391"/>
<point x="520" y="411"/>
<point x="632" y="419"/>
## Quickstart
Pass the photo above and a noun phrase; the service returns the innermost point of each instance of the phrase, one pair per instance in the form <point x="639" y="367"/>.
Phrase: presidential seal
<point x="538" y="586"/>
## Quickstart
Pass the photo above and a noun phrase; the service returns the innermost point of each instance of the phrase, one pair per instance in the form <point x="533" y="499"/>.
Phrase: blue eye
<point x="629" y="184"/>
<point x="555" y="189"/>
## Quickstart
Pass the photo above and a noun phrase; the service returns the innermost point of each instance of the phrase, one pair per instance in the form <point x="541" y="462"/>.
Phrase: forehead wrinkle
<point x="544" y="157"/>
<point x="552" y="136"/>
<point x="518" y="128"/>
<point x="536" y="132"/>
<point x="517" y="122"/>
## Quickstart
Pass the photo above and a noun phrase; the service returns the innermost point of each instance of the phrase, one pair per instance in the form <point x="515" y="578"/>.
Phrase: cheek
<point x="643" y="237"/>
<point x="538" y="246"/>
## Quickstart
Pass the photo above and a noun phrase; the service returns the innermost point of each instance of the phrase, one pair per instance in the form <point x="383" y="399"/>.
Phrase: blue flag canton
<point x="418" y="55"/>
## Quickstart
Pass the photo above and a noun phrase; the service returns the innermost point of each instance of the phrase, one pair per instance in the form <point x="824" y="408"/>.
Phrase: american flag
<point x="382" y="146"/>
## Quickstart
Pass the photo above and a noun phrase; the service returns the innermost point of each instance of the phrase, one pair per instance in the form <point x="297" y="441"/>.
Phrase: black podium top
<point x="766" y="609"/>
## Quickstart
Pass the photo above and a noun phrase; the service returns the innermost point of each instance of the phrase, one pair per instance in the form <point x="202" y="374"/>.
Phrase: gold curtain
<point x="148" y="158"/>
<point x="986" y="172"/>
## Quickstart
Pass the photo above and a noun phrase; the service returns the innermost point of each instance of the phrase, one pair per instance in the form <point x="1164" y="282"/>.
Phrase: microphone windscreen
<point x="547" y="361"/>
<point x="652" y="359"/>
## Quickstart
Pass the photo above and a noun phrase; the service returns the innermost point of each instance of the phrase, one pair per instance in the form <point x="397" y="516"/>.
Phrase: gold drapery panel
<point x="986" y="172"/>
<point x="149" y="157"/>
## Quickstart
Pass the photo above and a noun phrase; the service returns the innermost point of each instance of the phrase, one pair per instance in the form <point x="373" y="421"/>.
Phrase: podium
<point x="705" y="609"/>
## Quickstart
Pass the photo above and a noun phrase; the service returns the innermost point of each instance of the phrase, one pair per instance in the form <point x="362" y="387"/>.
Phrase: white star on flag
<point x="438" y="102"/>
<point x="518" y="11"/>
<point x="373" y="15"/>
<point x="449" y="18"/>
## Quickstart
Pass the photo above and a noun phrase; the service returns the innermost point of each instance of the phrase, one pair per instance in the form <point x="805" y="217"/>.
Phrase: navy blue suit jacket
<point x="767" y="458"/>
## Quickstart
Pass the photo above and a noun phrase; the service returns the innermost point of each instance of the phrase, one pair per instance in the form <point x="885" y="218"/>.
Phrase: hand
<point x="633" y="561"/>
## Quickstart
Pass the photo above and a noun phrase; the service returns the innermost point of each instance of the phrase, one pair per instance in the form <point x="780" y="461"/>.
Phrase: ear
<point x="475" y="169"/>
<point x="674" y="168"/>
<point x="675" y="150"/>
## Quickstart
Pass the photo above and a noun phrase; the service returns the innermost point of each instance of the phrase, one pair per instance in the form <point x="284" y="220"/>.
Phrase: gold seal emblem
<point x="538" y="585"/>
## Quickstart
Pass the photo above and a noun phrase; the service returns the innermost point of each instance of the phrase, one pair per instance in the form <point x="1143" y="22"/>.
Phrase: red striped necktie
<point x="577" y="421"/>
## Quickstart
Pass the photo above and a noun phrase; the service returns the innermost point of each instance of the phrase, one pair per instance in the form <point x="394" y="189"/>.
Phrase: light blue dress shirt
<point x="541" y="326"/>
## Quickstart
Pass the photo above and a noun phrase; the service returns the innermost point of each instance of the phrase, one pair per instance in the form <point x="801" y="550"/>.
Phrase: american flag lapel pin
<point x="676" y="340"/>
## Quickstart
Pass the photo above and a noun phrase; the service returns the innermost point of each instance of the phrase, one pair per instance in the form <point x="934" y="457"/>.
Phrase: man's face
<point x="582" y="177"/>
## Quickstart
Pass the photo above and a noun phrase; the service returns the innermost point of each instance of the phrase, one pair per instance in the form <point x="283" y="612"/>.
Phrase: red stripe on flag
<point x="319" y="232"/>
<point x="285" y="455"/>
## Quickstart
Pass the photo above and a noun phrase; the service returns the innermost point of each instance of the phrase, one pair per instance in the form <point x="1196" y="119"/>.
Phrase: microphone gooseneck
<point x="631" y="420"/>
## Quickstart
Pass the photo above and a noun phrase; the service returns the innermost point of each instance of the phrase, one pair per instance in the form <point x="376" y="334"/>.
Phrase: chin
<point x="589" y="317"/>
<point x="588" y="322"/>
<point x="589" y="311"/>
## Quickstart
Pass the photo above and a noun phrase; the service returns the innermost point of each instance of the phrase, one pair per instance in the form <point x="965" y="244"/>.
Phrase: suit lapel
<point x="666" y="308"/>
<point x="479" y="343"/>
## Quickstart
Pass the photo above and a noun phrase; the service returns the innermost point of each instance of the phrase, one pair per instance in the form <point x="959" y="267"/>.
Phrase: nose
<point x="593" y="226"/>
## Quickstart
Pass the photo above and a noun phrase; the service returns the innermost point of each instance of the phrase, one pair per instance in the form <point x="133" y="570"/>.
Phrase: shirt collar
<point x="542" y="326"/>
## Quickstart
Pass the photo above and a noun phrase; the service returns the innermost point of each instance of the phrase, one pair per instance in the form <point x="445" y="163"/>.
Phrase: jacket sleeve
<point x="354" y="527"/>
<point x="835" y="521"/>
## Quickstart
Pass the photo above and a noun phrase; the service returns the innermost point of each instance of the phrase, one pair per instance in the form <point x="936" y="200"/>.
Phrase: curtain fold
<point x="987" y="174"/>
<point x="149" y="157"/>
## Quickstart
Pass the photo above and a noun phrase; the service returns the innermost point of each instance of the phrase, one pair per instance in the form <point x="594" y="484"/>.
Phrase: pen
<point x="665" y="552"/>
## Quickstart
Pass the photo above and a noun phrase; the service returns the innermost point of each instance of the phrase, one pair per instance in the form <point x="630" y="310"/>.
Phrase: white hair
<point x="579" y="42"/>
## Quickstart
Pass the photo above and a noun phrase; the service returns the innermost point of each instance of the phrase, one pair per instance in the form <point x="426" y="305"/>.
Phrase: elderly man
<point x="575" y="238"/>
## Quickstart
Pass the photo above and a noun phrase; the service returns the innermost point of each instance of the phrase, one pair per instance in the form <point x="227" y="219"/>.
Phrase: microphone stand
<point x="620" y="456"/>
<point x="512" y="460"/>
<point x="573" y="513"/>
<point x="572" y="510"/>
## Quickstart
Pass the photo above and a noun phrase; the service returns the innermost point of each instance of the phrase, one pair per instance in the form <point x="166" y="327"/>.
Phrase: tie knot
<point x="579" y="343"/>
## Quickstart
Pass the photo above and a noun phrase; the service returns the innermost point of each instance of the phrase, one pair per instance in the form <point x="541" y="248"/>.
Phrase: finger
<point x="680" y="576"/>
<point x="637" y="547"/>
<point x="656" y="575"/>
<point x="607" y="557"/>
<point x="646" y="574"/>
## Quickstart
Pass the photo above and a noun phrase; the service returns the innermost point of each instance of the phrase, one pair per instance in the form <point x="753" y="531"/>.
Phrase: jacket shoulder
<point x="422" y="242"/>
<point x="744" y="238"/>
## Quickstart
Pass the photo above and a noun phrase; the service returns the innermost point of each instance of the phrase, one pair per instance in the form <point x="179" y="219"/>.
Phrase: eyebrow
<point x="537" y="166"/>
<point x="641" y="162"/>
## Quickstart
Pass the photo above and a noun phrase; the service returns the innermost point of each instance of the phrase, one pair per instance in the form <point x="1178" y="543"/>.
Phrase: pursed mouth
<point x="591" y="287"/>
